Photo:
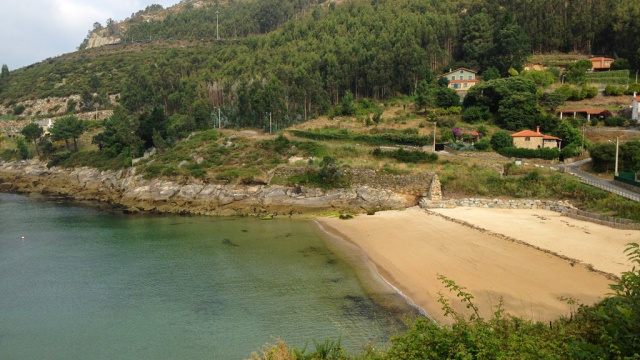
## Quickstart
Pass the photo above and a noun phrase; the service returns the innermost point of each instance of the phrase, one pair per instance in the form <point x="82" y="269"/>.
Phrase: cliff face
<point x="101" y="38"/>
<point x="131" y="192"/>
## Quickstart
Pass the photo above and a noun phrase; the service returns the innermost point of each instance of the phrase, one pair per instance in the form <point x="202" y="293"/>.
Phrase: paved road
<point x="608" y="185"/>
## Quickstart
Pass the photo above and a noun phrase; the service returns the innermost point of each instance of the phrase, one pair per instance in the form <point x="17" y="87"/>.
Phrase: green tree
<point x="478" y="38"/>
<point x="518" y="111"/>
<point x="22" y="148"/>
<point x="512" y="47"/>
<point x="33" y="132"/>
<point x="422" y="95"/>
<point x="347" y="105"/>
<point x="446" y="98"/>
<point x="551" y="101"/>
<point x="4" y="74"/>
<point x="69" y="127"/>
<point x="501" y="139"/>
<point x="568" y="134"/>
<point x="120" y="135"/>
<point x="491" y="74"/>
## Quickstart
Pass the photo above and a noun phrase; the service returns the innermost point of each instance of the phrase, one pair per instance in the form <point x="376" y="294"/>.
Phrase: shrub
<point x="501" y="139"/>
<point x="612" y="90"/>
<point x="615" y="121"/>
<point x="483" y="145"/>
<point x="475" y="114"/>
<point x="570" y="151"/>
<point x="18" y="109"/>
<point x="633" y="88"/>
<point x="407" y="156"/>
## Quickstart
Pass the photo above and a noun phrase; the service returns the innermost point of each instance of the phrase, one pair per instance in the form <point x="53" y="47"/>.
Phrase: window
<point x="464" y="85"/>
<point x="456" y="86"/>
<point x="470" y="77"/>
<point x="527" y="139"/>
<point x="453" y="77"/>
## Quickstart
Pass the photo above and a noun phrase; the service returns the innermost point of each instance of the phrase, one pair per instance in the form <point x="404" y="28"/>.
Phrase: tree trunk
<point x="35" y="143"/>
<point x="75" y="145"/>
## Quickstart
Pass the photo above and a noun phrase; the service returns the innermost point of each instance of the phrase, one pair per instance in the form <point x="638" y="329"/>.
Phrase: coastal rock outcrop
<point x="129" y="191"/>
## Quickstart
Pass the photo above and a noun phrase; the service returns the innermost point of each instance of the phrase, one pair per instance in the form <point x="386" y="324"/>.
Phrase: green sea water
<point x="89" y="284"/>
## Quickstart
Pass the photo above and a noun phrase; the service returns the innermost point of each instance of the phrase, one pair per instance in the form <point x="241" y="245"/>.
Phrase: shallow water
<point x="87" y="284"/>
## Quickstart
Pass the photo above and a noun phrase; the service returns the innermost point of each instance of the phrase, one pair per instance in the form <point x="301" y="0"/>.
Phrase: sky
<point x="34" y="30"/>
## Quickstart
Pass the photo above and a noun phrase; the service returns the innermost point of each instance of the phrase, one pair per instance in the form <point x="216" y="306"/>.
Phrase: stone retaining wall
<point x="553" y="205"/>
<point x="563" y="207"/>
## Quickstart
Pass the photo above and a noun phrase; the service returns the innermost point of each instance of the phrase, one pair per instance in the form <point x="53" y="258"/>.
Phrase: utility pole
<point x="217" y="34"/>
<point x="617" y="145"/>
<point x="434" y="136"/>
<point x="269" y="123"/>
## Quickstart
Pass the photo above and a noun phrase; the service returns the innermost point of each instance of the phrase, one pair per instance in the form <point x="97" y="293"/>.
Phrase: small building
<point x="528" y="139"/>
<point x="588" y="113"/>
<point x="460" y="79"/>
<point x="601" y="63"/>
<point x="635" y="107"/>
<point x="46" y="124"/>
<point x="472" y="135"/>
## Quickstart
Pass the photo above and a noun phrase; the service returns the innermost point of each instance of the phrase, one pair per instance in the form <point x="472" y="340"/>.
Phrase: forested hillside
<point x="294" y="59"/>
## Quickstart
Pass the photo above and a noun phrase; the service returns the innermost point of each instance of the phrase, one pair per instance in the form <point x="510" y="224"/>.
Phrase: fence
<point x="611" y="189"/>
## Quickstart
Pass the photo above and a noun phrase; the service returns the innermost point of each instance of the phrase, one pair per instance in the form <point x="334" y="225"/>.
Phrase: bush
<point x="475" y="114"/>
<point x="482" y="145"/>
<point x="633" y="88"/>
<point x="570" y="151"/>
<point x="612" y="90"/>
<point x="501" y="139"/>
<point x="407" y="156"/>
<point x="18" y="109"/>
<point x="615" y="121"/>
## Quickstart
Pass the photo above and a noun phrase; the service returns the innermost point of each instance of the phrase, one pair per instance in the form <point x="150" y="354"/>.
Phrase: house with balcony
<point x="461" y="79"/>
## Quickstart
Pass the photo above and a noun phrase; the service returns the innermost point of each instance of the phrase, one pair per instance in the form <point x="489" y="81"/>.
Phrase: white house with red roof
<point x="461" y="78"/>
<point x="528" y="139"/>
<point x="635" y="108"/>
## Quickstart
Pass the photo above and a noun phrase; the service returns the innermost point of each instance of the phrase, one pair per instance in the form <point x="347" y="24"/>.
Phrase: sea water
<point x="80" y="283"/>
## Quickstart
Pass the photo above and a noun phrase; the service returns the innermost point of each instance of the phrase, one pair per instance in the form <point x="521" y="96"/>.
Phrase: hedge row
<point x="376" y="139"/>
<point x="407" y="156"/>
<point x="542" y="153"/>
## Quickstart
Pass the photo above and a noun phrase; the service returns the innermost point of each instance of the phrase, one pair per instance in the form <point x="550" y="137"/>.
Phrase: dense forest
<point x="295" y="59"/>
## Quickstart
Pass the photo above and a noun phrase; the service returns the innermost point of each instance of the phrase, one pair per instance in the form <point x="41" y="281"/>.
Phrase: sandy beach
<point x="411" y="248"/>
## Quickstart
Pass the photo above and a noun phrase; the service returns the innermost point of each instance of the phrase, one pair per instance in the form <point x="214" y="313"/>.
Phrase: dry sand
<point x="411" y="247"/>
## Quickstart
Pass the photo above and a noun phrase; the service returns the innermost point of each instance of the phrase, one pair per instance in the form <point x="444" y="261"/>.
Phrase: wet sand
<point x="411" y="248"/>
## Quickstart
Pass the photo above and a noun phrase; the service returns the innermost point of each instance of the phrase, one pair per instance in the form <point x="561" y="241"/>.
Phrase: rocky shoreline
<point x="130" y="192"/>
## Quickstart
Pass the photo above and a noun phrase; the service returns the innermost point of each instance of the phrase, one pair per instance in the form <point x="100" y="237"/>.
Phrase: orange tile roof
<point x="586" y="111"/>
<point x="529" y="133"/>
<point x="549" y="137"/>
<point x="638" y="98"/>
<point x="471" y="132"/>
<point x="600" y="58"/>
